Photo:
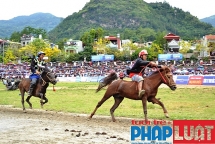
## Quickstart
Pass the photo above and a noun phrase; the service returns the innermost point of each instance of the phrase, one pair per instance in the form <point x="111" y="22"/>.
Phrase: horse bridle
<point x="164" y="80"/>
<point x="166" y="75"/>
<point x="50" y="79"/>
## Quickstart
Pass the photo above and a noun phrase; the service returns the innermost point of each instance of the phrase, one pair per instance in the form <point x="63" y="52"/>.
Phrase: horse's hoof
<point x="89" y="118"/>
<point x="166" y="114"/>
<point x="24" y="111"/>
<point x="114" y="120"/>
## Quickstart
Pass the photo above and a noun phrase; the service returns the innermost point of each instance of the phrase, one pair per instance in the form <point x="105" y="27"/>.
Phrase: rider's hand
<point x="153" y="64"/>
<point x="37" y="72"/>
<point x="162" y="67"/>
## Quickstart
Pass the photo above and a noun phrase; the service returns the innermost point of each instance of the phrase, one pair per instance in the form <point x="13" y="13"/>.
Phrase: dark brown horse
<point x="40" y="89"/>
<point x="120" y="89"/>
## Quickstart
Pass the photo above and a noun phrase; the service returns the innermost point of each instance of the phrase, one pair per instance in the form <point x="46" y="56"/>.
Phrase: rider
<point x="136" y="72"/>
<point x="36" y="68"/>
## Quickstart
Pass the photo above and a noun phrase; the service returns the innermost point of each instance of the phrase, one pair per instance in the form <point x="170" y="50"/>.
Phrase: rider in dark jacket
<point x="137" y="71"/>
<point x="37" y="64"/>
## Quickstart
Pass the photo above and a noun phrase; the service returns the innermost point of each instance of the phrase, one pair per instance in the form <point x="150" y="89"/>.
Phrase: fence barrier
<point x="179" y="79"/>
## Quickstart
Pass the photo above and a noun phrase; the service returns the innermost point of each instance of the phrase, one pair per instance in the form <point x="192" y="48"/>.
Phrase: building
<point x="115" y="42"/>
<point x="73" y="46"/>
<point x="208" y="41"/>
<point x="172" y="43"/>
<point x="26" y="39"/>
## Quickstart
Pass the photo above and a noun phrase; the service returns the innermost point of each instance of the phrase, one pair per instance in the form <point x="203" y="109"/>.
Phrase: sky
<point x="63" y="8"/>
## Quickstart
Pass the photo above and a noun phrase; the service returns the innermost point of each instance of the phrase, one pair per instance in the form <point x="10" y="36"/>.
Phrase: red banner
<point x="195" y="80"/>
<point x="194" y="131"/>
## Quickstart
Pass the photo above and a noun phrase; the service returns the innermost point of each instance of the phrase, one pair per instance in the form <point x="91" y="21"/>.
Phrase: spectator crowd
<point x="92" y="69"/>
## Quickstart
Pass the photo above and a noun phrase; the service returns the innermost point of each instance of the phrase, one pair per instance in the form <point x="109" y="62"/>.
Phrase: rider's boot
<point x="30" y="89"/>
<point x="141" y="91"/>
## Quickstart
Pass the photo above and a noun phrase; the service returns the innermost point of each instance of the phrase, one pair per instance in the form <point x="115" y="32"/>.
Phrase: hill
<point x="45" y="21"/>
<point x="210" y="20"/>
<point x="133" y="19"/>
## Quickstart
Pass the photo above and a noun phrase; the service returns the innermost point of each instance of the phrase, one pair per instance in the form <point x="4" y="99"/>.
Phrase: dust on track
<point x="40" y="126"/>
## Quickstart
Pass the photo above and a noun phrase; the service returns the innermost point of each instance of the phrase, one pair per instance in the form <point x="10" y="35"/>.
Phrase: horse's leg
<point x="22" y="100"/>
<point x="105" y="97"/>
<point x="118" y="100"/>
<point x="28" y="101"/>
<point x="144" y="102"/>
<point x="157" y="101"/>
<point x="42" y="103"/>
<point x="41" y="99"/>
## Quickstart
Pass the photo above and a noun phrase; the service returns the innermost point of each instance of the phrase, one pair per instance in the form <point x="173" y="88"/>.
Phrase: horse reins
<point x="161" y="75"/>
<point x="157" y="70"/>
<point x="44" y="82"/>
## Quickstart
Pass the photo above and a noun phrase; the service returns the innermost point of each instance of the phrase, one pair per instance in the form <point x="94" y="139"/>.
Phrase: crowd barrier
<point x="195" y="80"/>
<point x="179" y="79"/>
<point x="80" y="79"/>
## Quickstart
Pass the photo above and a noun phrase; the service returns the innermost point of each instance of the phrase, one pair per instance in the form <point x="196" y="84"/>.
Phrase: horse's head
<point x="167" y="77"/>
<point x="49" y="76"/>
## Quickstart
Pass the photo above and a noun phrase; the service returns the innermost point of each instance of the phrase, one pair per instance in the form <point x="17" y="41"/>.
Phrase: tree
<point x="200" y="48"/>
<point x="88" y="38"/>
<point x="100" y="45"/>
<point x="153" y="51"/>
<point x="61" y="43"/>
<point x="15" y="37"/>
<point x="9" y="56"/>
<point x="40" y="45"/>
<point x="72" y="57"/>
<point x="129" y="46"/>
<point x="136" y="54"/>
<point x="211" y="46"/>
<point x="185" y="47"/>
<point x="28" y="30"/>
<point x="159" y="39"/>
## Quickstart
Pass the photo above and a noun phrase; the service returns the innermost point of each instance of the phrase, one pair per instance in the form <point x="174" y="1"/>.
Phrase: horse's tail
<point x="106" y="81"/>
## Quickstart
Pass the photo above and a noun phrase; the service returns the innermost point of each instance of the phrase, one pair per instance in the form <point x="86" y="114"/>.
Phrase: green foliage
<point x="135" y="54"/>
<point x="28" y="30"/>
<point x="185" y="47"/>
<point x="159" y="40"/>
<point x="40" y="45"/>
<point x="72" y="57"/>
<point x="190" y="51"/>
<point x="15" y="37"/>
<point x="153" y="52"/>
<point x="1" y="58"/>
<point x="60" y="43"/>
<point x="193" y="58"/>
<point x="89" y="37"/>
<point x="9" y="56"/>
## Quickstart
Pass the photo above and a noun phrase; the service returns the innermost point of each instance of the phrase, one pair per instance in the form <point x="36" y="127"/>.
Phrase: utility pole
<point x="175" y="11"/>
<point x="3" y="53"/>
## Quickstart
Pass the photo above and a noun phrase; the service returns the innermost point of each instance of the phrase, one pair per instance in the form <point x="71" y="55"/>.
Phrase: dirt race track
<point x="48" y="127"/>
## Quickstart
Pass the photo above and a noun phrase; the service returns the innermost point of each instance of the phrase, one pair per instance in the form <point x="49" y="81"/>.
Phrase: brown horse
<point x="40" y="89"/>
<point x="120" y="89"/>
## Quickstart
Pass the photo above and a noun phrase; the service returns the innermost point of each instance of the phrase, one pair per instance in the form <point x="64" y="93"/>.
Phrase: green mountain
<point x="133" y="19"/>
<point x="210" y="20"/>
<point x="45" y="21"/>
